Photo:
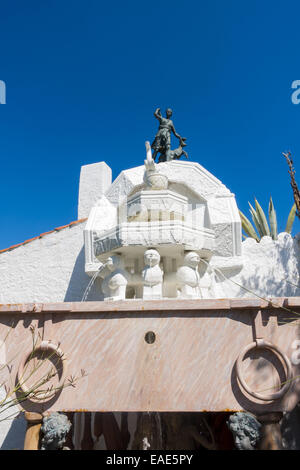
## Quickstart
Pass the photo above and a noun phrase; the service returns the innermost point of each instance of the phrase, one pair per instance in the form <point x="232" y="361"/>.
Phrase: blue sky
<point x="84" y="77"/>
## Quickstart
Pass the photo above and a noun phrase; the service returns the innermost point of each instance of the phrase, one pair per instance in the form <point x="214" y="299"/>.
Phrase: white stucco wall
<point x="49" y="269"/>
<point x="267" y="266"/>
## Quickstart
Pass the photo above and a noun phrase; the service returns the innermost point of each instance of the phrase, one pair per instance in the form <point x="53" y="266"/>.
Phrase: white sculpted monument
<point x="115" y="282"/>
<point x="152" y="275"/>
<point x="163" y="230"/>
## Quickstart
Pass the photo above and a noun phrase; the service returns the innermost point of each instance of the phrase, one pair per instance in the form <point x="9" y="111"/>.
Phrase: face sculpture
<point x="169" y="113"/>
<point x="192" y="259"/>
<point x="55" y="429"/>
<point x="246" y="430"/>
<point x="151" y="258"/>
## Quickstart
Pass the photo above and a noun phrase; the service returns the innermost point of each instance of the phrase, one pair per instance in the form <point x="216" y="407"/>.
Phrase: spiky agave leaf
<point x="256" y="220"/>
<point x="248" y="227"/>
<point x="272" y="219"/>
<point x="291" y="219"/>
<point x="262" y="218"/>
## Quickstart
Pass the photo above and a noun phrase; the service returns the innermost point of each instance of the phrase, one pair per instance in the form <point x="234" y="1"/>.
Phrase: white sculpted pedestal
<point x="188" y="277"/>
<point x="192" y="284"/>
<point x="152" y="275"/>
<point x="114" y="284"/>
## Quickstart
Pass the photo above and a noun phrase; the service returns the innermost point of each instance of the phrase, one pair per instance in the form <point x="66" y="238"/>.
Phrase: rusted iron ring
<point x="56" y="351"/>
<point x="262" y="344"/>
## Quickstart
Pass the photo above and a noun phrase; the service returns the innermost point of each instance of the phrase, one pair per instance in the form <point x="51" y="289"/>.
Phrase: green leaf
<point x="273" y="220"/>
<point x="248" y="227"/>
<point x="256" y="220"/>
<point x="291" y="219"/>
<point x="262" y="219"/>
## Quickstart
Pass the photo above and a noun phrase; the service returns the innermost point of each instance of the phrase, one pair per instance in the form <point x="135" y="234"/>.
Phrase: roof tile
<point x="58" y="229"/>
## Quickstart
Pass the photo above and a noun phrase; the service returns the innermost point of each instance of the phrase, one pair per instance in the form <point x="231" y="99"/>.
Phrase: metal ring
<point x="44" y="346"/>
<point x="285" y="361"/>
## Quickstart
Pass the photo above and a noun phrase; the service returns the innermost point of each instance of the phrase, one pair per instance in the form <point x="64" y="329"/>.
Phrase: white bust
<point x="195" y="283"/>
<point x="114" y="284"/>
<point x="188" y="277"/>
<point x="152" y="275"/>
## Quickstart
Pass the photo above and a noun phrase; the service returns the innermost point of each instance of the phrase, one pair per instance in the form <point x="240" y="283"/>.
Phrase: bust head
<point x="169" y="113"/>
<point x="246" y="430"/>
<point x="191" y="259"/>
<point x="151" y="257"/>
<point x="55" y="429"/>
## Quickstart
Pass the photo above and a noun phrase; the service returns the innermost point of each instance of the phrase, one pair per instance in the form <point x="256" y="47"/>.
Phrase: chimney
<point x="95" y="179"/>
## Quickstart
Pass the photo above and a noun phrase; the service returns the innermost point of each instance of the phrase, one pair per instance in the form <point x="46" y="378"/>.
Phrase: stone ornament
<point x="153" y="178"/>
<point x="175" y="204"/>
<point x="246" y="430"/>
<point x="195" y="279"/>
<point x="261" y="343"/>
<point x="152" y="275"/>
<point x="55" y="429"/>
<point x="122" y="277"/>
<point x="188" y="277"/>
<point x="114" y="284"/>
<point x="163" y="206"/>
<point x="54" y="351"/>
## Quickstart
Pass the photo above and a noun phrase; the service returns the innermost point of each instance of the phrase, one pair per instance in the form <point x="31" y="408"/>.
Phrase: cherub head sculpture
<point x="55" y="429"/>
<point x="151" y="257"/>
<point x="245" y="429"/>
<point x="191" y="259"/>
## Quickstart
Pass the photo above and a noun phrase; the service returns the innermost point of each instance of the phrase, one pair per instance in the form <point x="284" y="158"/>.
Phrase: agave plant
<point x="261" y="226"/>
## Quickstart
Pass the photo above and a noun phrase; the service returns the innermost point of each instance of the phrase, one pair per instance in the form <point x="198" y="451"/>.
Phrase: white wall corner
<point x="95" y="179"/>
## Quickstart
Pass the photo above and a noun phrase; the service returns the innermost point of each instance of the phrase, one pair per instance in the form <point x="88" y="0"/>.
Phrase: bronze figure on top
<point x="162" y="141"/>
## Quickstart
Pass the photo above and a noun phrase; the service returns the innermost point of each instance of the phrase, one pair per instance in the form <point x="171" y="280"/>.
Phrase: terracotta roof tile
<point x="75" y="222"/>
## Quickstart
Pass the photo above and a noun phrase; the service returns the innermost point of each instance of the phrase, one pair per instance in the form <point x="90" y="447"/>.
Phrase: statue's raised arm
<point x="157" y="114"/>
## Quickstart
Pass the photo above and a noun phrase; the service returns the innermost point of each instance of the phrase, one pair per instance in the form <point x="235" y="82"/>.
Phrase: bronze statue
<point x="176" y="153"/>
<point x="162" y="141"/>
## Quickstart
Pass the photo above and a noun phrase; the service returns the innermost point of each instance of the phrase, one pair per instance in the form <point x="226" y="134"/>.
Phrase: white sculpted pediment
<point x="189" y="174"/>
